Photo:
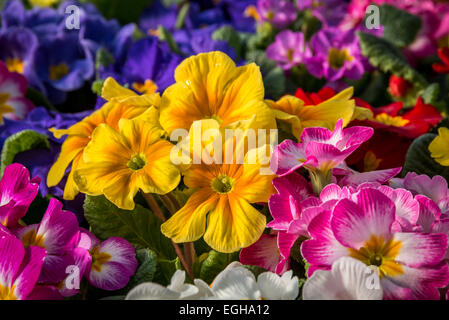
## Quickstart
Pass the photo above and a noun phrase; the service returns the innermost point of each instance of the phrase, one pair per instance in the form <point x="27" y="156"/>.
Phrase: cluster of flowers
<point x="320" y="215"/>
<point x="37" y="259"/>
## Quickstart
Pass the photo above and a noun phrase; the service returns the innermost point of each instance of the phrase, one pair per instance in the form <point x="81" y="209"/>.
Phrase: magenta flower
<point x="13" y="104"/>
<point x="410" y="264"/>
<point x="107" y="265"/>
<point x="336" y="54"/>
<point x="289" y="49"/>
<point x="17" y="192"/>
<point x="54" y="233"/>
<point x="329" y="12"/>
<point x="19" y="268"/>
<point x="320" y="149"/>
<point x="280" y="13"/>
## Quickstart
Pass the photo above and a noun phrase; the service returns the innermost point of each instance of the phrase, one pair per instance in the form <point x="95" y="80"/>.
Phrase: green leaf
<point x="273" y="76"/>
<point x="400" y="26"/>
<point x="215" y="263"/>
<point x="19" y="142"/>
<point x="146" y="270"/>
<point x="103" y="58"/>
<point x="124" y="11"/>
<point x="388" y="58"/>
<point x="419" y="160"/>
<point x="182" y="14"/>
<point x="38" y="99"/>
<point x="430" y="95"/>
<point x="139" y="226"/>
<point x="165" y="270"/>
<point x="231" y="37"/>
<point x="256" y="270"/>
<point x="165" y="35"/>
<point x="97" y="85"/>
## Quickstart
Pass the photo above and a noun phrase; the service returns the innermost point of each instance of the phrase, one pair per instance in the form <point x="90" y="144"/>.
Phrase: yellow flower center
<point x="43" y="3"/>
<point x="99" y="258"/>
<point x="251" y="11"/>
<point x="137" y="162"/>
<point x="31" y="238"/>
<point x="14" y="65"/>
<point x="290" y="54"/>
<point x="370" y="161"/>
<point x="337" y="57"/>
<point x="397" y="121"/>
<point x="378" y="252"/>
<point x="270" y="14"/>
<point x="7" y="293"/>
<point x="222" y="184"/>
<point x="153" y="32"/>
<point x="147" y="87"/>
<point x="5" y="108"/>
<point x="58" y="71"/>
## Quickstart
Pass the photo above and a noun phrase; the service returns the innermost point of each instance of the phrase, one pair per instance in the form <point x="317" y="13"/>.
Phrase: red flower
<point x="393" y="134"/>
<point x="398" y="86"/>
<point x="312" y="98"/>
<point x="442" y="67"/>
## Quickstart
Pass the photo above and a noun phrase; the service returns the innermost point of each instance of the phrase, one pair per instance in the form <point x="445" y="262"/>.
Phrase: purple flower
<point x="63" y="63"/>
<point x="336" y="54"/>
<point x="278" y="12"/>
<point x="329" y="12"/>
<point x="149" y="66"/>
<point x="289" y="49"/>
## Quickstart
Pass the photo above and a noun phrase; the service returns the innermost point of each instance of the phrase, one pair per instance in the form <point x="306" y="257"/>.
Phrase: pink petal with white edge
<point x="380" y="176"/>
<point x="353" y="224"/>
<point x="301" y="225"/>
<point x="21" y="108"/>
<point x="322" y="250"/>
<point x="393" y="291"/>
<point x="429" y="212"/>
<point x="424" y="281"/>
<point x="435" y="188"/>
<point x="420" y="249"/>
<point x="121" y="252"/>
<point x="286" y="158"/>
<point x="407" y="208"/>
<point x="263" y="253"/>
<point x="32" y="264"/>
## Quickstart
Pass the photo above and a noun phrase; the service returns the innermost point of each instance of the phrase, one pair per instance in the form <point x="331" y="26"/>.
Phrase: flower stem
<point x="320" y="179"/>
<point x="188" y="266"/>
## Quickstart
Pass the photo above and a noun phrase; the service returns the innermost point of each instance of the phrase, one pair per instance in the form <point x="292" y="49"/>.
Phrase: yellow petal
<point x="160" y="174"/>
<point x="439" y="147"/>
<point x="111" y="89"/>
<point x="189" y="223"/>
<point x="71" y="147"/>
<point x="233" y="224"/>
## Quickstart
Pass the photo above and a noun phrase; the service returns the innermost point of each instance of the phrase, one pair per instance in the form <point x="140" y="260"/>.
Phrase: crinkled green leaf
<point x="139" y="226"/>
<point x="215" y="263"/>
<point x="256" y="270"/>
<point x="388" y="58"/>
<point x="19" y="142"/>
<point x="165" y="270"/>
<point x="419" y="160"/>
<point x="146" y="270"/>
<point x="400" y="26"/>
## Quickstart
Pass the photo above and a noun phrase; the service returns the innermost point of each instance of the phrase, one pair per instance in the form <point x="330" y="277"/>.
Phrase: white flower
<point x="177" y="290"/>
<point x="349" y="279"/>
<point x="238" y="283"/>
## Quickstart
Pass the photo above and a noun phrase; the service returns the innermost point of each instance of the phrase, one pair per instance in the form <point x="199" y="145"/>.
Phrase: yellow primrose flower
<point x="122" y="104"/>
<point x="220" y="207"/>
<point x="118" y="164"/>
<point x="210" y="86"/>
<point x="291" y="110"/>
<point x="439" y="147"/>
